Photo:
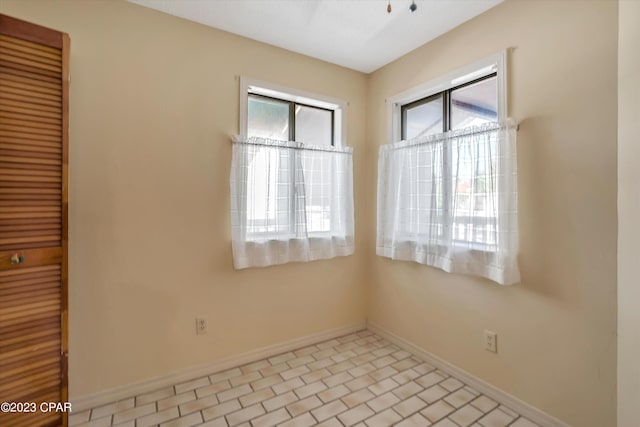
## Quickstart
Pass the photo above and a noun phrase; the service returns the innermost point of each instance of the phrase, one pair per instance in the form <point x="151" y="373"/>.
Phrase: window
<point x="283" y="120"/>
<point x="291" y="179"/>
<point x="275" y="112"/>
<point x="471" y="96"/>
<point x="447" y="191"/>
<point x="470" y="104"/>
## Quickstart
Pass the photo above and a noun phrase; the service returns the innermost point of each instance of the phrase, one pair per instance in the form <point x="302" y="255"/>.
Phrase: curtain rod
<point x="451" y="134"/>
<point x="290" y="145"/>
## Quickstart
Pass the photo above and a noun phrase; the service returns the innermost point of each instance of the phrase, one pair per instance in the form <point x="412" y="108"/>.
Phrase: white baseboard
<point x="122" y="392"/>
<point x="512" y="402"/>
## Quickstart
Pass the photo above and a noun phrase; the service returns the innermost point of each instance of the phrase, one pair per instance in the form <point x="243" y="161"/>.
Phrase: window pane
<point x="475" y="188"/>
<point x="475" y="104"/>
<point x="317" y="168"/>
<point x="268" y="118"/>
<point x="313" y="125"/>
<point x="268" y="191"/>
<point x="423" y="119"/>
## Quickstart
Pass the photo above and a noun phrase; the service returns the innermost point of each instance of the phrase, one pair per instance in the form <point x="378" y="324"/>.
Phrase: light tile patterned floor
<point x="358" y="380"/>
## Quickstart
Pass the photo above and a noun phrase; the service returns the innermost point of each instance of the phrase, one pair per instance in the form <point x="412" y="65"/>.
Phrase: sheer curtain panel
<point x="290" y="202"/>
<point x="450" y="201"/>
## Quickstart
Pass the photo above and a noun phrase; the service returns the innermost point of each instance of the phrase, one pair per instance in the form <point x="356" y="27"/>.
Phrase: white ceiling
<point x="357" y="34"/>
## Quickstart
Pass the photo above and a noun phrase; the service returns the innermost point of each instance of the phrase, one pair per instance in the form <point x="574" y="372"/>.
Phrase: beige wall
<point x="154" y="100"/>
<point x="556" y="330"/>
<point x="628" y="214"/>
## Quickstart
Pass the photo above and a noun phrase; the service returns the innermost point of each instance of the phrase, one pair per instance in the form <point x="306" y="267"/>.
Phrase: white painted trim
<point x="125" y="391"/>
<point x="122" y="392"/>
<point x="508" y="400"/>
<point x="339" y="106"/>
<point x="496" y="63"/>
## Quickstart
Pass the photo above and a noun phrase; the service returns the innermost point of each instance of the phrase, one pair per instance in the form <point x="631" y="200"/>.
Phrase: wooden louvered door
<point x="33" y="220"/>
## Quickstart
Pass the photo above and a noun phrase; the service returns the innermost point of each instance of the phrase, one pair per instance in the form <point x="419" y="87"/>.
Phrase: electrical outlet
<point x="201" y="325"/>
<point x="490" y="341"/>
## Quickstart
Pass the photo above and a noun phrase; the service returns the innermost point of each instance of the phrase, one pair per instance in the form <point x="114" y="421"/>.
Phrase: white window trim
<point x="496" y="63"/>
<point x="253" y="86"/>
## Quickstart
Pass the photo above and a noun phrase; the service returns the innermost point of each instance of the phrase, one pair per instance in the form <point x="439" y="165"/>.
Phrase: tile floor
<point x="358" y="380"/>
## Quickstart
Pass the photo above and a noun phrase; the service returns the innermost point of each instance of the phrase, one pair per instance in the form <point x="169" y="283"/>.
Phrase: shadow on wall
<point x="547" y="226"/>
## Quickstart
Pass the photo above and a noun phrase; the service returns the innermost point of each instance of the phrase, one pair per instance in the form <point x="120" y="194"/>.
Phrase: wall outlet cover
<point x="490" y="341"/>
<point x="202" y="324"/>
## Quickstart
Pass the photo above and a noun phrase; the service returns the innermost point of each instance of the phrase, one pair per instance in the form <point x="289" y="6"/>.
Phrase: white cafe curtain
<point x="290" y="202"/>
<point x="450" y="201"/>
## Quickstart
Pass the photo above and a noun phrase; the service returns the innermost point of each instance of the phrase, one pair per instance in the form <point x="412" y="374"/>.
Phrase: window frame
<point x="282" y="93"/>
<point x="496" y="63"/>
<point x="292" y="114"/>
<point x="445" y="95"/>
<point x="417" y="103"/>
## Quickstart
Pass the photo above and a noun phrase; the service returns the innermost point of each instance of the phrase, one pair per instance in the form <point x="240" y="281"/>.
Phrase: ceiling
<point x="357" y="34"/>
